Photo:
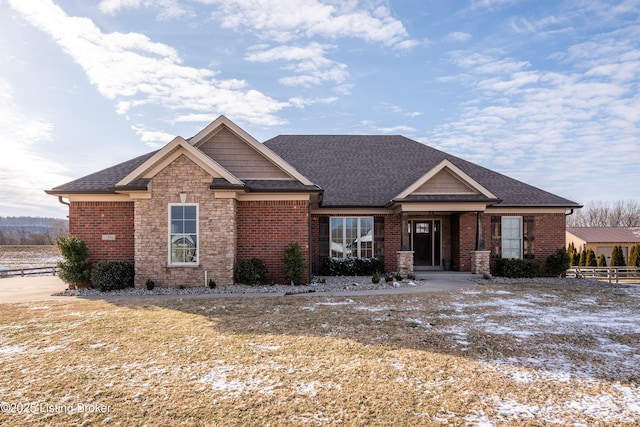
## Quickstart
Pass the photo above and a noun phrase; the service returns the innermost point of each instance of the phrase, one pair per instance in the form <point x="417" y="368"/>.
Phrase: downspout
<point x="310" y="252"/>
<point x="63" y="202"/>
<point x="570" y="212"/>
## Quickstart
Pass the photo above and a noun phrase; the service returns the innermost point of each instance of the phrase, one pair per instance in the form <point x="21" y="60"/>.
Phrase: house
<point x="603" y="239"/>
<point x="197" y="207"/>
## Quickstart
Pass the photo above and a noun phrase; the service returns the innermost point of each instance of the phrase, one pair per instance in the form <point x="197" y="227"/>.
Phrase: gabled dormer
<point x="445" y="185"/>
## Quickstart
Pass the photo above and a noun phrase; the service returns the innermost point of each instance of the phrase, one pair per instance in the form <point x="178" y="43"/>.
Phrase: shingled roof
<point x="351" y="170"/>
<point x="370" y="170"/>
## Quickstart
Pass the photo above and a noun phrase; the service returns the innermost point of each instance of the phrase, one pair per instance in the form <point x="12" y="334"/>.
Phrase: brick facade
<point x="106" y="228"/>
<point x="266" y="228"/>
<point x="217" y="229"/>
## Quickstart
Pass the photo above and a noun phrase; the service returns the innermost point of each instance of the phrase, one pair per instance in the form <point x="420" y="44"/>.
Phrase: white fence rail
<point x="612" y="274"/>
<point x="42" y="271"/>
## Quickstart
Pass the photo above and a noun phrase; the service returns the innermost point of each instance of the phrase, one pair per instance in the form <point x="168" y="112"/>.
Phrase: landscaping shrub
<point x="150" y="284"/>
<point x="375" y="277"/>
<point x="514" y="268"/>
<point x="602" y="261"/>
<point x="634" y="256"/>
<point x="252" y="271"/>
<point x="558" y="262"/>
<point x="76" y="265"/>
<point x="294" y="264"/>
<point x="351" y="266"/>
<point x="617" y="257"/>
<point x="111" y="275"/>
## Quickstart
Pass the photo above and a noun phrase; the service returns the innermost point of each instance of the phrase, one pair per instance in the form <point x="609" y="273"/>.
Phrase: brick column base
<point x="480" y="262"/>
<point x="405" y="262"/>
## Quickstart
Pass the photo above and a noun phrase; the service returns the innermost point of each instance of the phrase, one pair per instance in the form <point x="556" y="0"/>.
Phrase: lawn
<point x="493" y="355"/>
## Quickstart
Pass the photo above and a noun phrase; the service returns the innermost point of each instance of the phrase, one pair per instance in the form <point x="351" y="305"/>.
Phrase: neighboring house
<point x="203" y="204"/>
<point x="603" y="239"/>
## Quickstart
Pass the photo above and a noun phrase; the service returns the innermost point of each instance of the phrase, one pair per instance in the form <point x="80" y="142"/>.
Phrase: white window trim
<point x="520" y="238"/>
<point x="195" y="263"/>
<point x="358" y="232"/>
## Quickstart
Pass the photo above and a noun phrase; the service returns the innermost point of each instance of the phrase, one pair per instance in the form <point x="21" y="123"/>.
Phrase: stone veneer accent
<point x="405" y="262"/>
<point x="217" y="229"/>
<point x="480" y="262"/>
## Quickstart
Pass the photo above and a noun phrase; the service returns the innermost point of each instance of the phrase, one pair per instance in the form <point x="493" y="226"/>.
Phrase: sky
<point x="544" y="91"/>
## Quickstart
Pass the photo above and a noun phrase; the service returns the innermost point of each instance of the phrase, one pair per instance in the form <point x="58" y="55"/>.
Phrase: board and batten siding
<point x="239" y="158"/>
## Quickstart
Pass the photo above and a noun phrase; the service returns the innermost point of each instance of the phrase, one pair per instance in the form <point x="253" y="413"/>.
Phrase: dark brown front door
<point x="426" y="243"/>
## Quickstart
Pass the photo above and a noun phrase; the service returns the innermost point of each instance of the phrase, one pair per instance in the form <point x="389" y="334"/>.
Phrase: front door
<point x="426" y="239"/>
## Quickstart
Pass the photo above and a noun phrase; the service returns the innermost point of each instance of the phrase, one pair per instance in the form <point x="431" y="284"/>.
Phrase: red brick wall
<point x="89" y="221"/>
<point x="463" y="240"/>
<point x="548" y="233"/>
<point x="265" y="228"/>
<point x="392" y="240"/>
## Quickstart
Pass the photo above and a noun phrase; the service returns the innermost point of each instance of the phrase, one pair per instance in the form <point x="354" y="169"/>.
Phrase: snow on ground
<point x="528" y="317"/>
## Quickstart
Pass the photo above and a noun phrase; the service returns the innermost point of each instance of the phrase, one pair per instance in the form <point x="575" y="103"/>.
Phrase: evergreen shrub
<point x="351" y="266"/>
<point x="252" y="271"/>
<point x="75" y="268"/>
<point x="558" y="262"/>
<point x="111" y="275"/>
<point x="294" y="264"/>
<point x="515" y="268"/>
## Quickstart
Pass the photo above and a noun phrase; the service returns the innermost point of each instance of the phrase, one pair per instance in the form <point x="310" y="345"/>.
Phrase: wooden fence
<point x="42" y="271"/>
<point x="612" y="274"/>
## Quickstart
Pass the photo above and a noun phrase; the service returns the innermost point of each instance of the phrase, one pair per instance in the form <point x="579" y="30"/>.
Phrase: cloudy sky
<point x="547" y="92"/>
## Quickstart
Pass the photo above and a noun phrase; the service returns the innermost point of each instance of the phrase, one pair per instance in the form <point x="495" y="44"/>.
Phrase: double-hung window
<point x="512" y="237"/>
<point x="183" y="234"/>
<point x="351" y="237"/>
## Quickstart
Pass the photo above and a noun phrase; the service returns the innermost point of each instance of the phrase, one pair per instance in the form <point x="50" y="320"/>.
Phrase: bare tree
<point x="622" y="213"/>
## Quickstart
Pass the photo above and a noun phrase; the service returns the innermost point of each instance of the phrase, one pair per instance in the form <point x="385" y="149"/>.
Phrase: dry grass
<point x="495" y="355"/>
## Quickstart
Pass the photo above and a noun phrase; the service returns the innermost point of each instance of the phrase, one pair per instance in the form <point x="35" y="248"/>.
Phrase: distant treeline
<point x="26" y="230"/>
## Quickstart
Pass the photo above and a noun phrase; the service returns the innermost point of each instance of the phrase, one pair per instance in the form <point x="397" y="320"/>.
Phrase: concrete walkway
<point x="31" y="288"/>
<point x="41" y="288"/>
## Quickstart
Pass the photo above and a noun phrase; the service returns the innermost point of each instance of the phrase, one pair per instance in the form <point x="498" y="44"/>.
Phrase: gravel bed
<point x="331" y="284"/>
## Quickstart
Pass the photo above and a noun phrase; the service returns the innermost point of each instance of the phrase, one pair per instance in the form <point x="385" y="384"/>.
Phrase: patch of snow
<point x="266" y="347"/>
<point x="8" y="350"/>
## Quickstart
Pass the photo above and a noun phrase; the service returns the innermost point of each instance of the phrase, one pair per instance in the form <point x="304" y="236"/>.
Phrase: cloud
<point x="550" y="123"/>
<point x="399" y="110"/>
<point x="24" y="172"/>
<point x="286" y="20"/>
<point x="401" y="129"/>
<point x="133" y="70"/>
<point x="458" y="36"/>
<point x="153" y="139"/>
<point x="309" y="62"/>
<point x="168" y="9"/>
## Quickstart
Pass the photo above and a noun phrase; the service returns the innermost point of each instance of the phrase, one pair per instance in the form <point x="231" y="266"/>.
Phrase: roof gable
<point x="170" y="152"/>
<point x="238" y="157"/>
<point x="445" y="178"/>
<point x="242" y="154"/>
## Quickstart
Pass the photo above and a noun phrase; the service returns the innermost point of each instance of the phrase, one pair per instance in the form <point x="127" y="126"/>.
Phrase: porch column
<point x="405" y="254"/>
<point x="480" y="257"/>
<point x="479" y="231"/>
<point x="404" y="235"/>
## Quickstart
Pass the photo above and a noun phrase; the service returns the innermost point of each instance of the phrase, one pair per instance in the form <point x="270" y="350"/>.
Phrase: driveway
<point x="31" y="288"/>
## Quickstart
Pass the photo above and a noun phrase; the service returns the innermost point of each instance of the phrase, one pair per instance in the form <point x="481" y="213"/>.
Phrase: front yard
<point x="494" y="355"/>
